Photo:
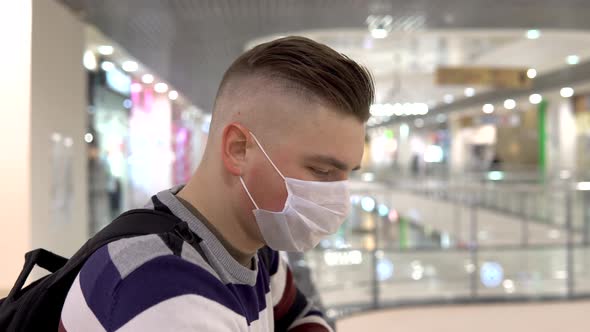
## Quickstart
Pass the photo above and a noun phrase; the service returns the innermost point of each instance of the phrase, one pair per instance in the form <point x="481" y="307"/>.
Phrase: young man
<point x="287" y="129"/>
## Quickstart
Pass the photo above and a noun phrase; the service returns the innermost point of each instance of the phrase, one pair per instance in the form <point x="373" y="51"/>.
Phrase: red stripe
<point x="309" y="327"/>
<point x="288" y="298"/>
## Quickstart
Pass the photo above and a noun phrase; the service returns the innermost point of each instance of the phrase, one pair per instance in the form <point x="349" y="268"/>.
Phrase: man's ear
<point x="233" y="148"/>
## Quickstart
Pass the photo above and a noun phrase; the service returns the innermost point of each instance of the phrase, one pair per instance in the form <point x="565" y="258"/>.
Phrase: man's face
<point x="313" y="142"/>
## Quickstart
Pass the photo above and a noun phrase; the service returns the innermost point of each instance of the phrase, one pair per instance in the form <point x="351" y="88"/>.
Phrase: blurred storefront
<point x="581" y="105"/>
<point x="422" y="149"/>
<point x="507" y="140"/>
<point x="142" y="136"/>
<point x="107" y="140"/>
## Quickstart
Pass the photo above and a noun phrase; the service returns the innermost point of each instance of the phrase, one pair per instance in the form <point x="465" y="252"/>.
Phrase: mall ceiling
<point x="191" y="42"/>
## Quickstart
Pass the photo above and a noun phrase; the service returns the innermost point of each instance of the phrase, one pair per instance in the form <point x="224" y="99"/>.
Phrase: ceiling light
<point x="448" y="98"/>
<point x="531" y="73"/>
<point x="89" y="61"/>
<point x="404" y="131"/>
<point x="554" y="234"/>
<point x="106" y="49"/>
<point x="488" y="108"/>
<point x="136" y="87"/>
<point x="68" y="142"/>
<point x="566" y="92"/>
<point x="161" y="87"/>
<point x="173" y="95"/>
<point x="509" y="104"/>
<point x="533" y="34"/>
<point x="398" y="109"/>
<point x="127" y="103"/>
<point x="379" y="33"/>
<point x="469" y="92"/>
<point x="88" y="138"/>
<point x="572" y="59"/>
<point x="419" y="123"/>
<point x="421" y="108"/>
<point x="508" y="284"/>
<point x="147" y="79"/>
<point x="368" y="204"/>
<point x="107" y="66"/>
<point x="368" y="177"/>
<point x="535" y="98"/>
<point x="130" y="66"/>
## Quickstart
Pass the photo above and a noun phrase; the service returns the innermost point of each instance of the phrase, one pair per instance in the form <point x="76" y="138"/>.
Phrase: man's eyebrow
<point x="331" y="161"/>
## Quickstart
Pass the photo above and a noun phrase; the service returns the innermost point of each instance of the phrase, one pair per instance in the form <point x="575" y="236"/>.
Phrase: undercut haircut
<point x="311" y="69"/>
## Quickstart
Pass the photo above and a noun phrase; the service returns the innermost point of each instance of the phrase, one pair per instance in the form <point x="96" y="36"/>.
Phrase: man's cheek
<point x="274" y="196"/>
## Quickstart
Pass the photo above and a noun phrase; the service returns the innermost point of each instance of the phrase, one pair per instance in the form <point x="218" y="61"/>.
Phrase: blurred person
<point x="115" y="193"/>
<point x="496" y="163"/>
<point x="415" y="166"/>
<point x="98" y="189"/>
<point x="288" y="128"/>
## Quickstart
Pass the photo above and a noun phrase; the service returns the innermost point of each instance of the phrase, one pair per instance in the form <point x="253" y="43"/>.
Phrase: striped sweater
<point x="147" y="283"/>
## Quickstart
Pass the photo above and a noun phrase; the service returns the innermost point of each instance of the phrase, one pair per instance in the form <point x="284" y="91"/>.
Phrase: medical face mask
<point x="312" y="211"/>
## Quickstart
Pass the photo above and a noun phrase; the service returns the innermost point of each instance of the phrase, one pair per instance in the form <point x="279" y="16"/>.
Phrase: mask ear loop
<point x="248" y="192"/>
<point x="267" y="157"/>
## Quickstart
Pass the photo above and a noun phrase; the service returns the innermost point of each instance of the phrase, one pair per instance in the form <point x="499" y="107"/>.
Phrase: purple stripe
<point x="314" y="313"/>
<point x="274" y="262"/>
<point x="98" y="279"/>
<point x="254" y="298"/>
<point x="115" y="303"/>
<point x="164" y="278"/>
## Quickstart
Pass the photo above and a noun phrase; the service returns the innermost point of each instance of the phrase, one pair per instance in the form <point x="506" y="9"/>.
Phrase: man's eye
<point x="321" y="172"/>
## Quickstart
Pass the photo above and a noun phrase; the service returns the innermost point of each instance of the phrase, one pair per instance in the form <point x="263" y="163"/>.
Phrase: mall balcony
<point x="471" y="210"/>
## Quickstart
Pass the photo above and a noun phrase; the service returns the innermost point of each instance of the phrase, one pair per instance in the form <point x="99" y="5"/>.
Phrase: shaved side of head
<point x="257" y="102"/>
<point x="293" y="70"/>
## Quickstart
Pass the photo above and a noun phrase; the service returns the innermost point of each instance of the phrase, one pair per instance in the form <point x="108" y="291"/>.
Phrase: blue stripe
<point x="115" y="302"/>
<point x="274" y="262"/>
<point x="98" y="279"/>
<point x="253" y="298"/>
<point x="164" y="278"/>
<point x="314" y="313"/>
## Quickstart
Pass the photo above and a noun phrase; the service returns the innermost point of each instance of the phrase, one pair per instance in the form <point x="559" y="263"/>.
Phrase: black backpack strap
<point x="42" y="258"/>
<point x="132" y="223"/>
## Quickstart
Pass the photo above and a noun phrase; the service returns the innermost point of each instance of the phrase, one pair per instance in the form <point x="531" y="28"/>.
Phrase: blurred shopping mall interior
<point x="472" y="207"/>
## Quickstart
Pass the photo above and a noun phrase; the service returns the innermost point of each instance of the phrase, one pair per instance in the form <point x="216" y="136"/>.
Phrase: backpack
<point x="38" y="306"/>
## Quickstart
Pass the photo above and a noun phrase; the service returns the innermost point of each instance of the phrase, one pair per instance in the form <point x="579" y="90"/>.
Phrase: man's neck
<point x="202" y="198"/>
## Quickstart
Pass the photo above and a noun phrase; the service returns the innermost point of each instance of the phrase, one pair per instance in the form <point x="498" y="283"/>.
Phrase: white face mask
<point x="312" y="211"/>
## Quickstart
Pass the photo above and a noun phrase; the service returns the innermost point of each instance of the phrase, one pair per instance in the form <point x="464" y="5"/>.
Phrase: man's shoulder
<point x="124" y="279"/>
<point x="124" y="257"/>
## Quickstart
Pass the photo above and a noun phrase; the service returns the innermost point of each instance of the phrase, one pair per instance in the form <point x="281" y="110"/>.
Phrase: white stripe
<point x="311" y="319"/>
<point x="187" y="313"/>
<point x="278" y="281"/>
<point x="265" y="322"/>
<point x="76" y="314"/>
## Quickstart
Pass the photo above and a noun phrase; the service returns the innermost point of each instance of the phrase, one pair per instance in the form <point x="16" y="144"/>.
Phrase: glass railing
<point x="437" y="243"/>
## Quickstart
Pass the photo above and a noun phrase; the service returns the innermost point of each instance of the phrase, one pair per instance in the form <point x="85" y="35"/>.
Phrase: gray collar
<point x="220" y="259"/>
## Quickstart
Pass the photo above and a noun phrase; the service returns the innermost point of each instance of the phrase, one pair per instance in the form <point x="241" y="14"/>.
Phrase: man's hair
<point x="313" y="69"/>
